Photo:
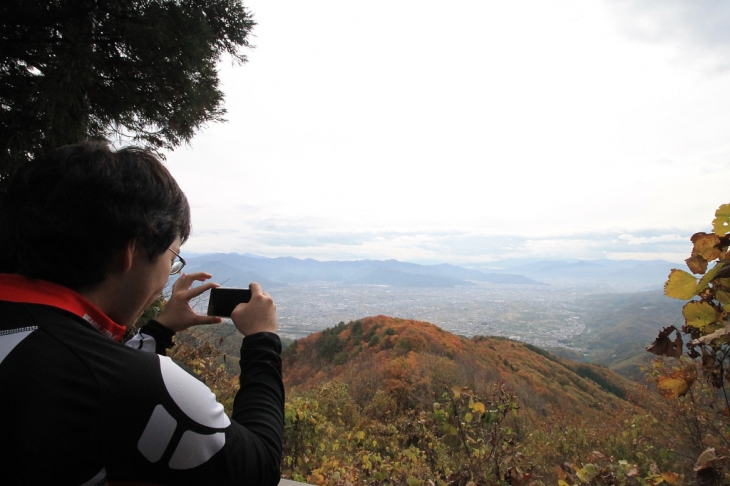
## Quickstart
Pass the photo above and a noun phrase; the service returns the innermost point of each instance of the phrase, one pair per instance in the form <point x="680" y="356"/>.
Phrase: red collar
<point x="16" y="288"/>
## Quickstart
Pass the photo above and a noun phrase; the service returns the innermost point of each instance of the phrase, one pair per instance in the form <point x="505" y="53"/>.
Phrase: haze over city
<point x="467" y="132"/>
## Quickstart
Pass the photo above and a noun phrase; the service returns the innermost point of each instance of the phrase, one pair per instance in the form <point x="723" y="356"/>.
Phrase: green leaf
<point x="707" y="278"/>
<point x="722" y="297"/>
<point x="468" y="418"/>
<point x="721" y="223"/>
<point x="699" y="314"/>
<point x="680" y="285"/>
<point x="586" y="473"/>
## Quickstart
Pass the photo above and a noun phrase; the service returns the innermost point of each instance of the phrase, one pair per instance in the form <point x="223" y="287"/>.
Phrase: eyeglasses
<point x="178" y="265"/>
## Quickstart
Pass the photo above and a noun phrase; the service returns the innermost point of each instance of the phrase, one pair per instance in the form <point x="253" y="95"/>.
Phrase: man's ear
<point x="128" y="253"/>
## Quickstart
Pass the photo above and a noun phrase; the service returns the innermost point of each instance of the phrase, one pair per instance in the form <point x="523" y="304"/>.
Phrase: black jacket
<point x="77" y="407"/>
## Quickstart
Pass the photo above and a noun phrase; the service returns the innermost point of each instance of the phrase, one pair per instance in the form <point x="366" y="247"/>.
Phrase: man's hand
<point x="258" y="315"/>
<point x="177" y="314"/>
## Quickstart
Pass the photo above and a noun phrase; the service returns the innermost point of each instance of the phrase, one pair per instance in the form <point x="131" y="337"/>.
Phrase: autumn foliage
<point x="387" y="401"/>
<point x="383" y="400"/>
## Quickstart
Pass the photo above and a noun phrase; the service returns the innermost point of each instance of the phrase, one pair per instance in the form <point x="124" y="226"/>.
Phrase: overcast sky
<point x="467" y="131"/>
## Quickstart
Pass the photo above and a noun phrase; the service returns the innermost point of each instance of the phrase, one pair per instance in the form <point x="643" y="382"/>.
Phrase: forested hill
<point x="383" y="400"/>
<point x="417" y="361"/>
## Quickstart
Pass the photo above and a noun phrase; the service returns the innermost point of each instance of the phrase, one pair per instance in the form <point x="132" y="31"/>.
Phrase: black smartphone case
<point x="222" y="301"/>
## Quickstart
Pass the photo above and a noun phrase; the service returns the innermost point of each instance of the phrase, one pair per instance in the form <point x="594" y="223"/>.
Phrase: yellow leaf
<point x="457" y="391"/>
<point x="672" y="387"/>
<point x="584" y="474"/>
<point x="670" y="477"/>
<point x="562" y="483"/>
<point x="678" y="383"/>
<point x="680" y="285"/>
<point x="699" y="314"/>
<point x="468" y="418"/>
<point x="721" y="223"/>
<point x="479" y="407"/>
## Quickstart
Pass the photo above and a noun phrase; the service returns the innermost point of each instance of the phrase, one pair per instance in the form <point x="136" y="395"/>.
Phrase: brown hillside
<point x="417" y="361"/>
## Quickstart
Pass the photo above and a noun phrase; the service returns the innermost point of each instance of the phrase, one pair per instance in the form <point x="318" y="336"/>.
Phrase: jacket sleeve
<point x="184" y="437"/>
<point x="153" y="337"/>
<point x="259" y="410"/>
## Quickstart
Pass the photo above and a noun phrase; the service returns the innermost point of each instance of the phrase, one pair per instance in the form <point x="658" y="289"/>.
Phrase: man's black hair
<point x="65" y="214"/>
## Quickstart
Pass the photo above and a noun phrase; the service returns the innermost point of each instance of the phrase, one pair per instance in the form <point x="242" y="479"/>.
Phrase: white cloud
<point x="701" y="28"/>
<point x="644" y="240"/>
<point x="415" y="130"/>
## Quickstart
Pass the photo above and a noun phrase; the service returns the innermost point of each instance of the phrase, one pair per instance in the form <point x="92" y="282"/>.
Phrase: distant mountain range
<point x="626" y="275"/>
<point x="236" y="270"/>
<point x="619" y="327"/>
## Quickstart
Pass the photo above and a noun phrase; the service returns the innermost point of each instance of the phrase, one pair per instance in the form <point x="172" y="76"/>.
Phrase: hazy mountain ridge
<point x="613" y="275"/>
<point x="240" y="269"/>
<point x="618" y="334"/>
<point x="626" y="275"/>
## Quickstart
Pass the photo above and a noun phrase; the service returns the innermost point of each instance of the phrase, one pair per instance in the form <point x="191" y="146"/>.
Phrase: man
<point x="88" y="239"/>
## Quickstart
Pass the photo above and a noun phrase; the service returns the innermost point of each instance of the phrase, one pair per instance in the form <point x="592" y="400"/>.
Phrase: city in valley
<point x="537" y="314"/>
<point x="558" y="305"/>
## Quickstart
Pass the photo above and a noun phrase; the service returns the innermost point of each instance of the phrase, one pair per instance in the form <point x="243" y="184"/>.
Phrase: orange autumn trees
<point x="383" y="400"/>
<point x="418" y="361"/>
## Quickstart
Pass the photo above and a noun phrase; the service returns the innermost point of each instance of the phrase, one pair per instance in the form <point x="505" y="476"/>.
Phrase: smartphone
<point x="222" y="301"/>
